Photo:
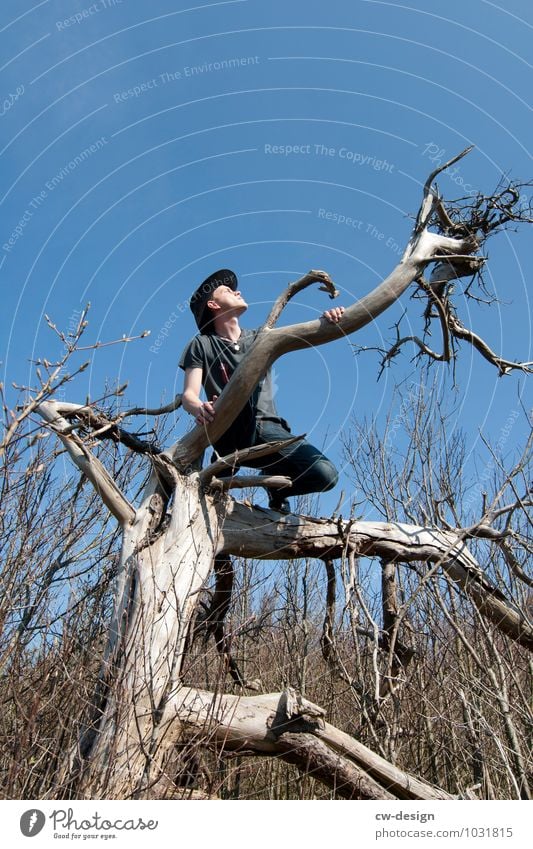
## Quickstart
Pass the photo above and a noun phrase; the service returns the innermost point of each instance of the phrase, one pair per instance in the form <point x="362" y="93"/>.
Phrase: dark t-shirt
<point x="218" y="360"/>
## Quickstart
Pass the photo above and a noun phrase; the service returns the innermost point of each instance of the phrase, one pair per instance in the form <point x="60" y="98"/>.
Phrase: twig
<point x="244" y="481"/>
<point x="293" y="289"/>
<point x="452" y="161"/>
<point x="153" y="411"/>
<point x="238" y="458"/>
<point x="504" y="366"/>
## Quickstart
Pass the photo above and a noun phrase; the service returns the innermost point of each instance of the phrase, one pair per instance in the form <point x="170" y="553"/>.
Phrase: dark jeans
<point x="305" y="465"/>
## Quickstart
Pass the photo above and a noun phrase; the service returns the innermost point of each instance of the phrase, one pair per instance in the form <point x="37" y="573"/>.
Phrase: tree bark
<point x="286" y="725"/>
<point x="253" y="532"/>
<point x="162" y="572"/>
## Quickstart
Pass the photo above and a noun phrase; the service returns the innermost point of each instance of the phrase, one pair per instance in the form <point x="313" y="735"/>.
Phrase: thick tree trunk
<point x="162" y="574"/>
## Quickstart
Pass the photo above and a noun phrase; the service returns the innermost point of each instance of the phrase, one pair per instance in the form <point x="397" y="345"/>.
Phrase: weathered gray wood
<point x="253" y="532"/>
<point x="259" y="724"/>
<point x="90" y="465"/>
<point x="163" y="575"/>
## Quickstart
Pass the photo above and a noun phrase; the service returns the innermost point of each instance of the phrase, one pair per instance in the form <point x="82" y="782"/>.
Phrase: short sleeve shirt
<point x="218" y="359"/>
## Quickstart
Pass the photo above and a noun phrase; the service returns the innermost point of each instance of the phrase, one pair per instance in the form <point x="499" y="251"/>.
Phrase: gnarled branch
<point x="238" y="458"/>
<point x="245" y="481"/>
<point x="287" y="725"/>
<point x="250" y="532"/>
<point x="293" y="289"/>
<point x="153" y="411"/>
<point x="90" y="465"/>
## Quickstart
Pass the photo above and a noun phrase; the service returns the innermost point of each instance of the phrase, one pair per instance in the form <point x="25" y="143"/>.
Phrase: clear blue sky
<point x="145" y="145"/>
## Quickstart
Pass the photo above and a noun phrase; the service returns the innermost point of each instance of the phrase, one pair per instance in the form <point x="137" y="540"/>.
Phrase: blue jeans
<point x="305" y="465"/>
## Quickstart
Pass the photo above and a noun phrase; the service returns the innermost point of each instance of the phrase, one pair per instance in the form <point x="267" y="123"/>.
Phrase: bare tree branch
<point x="239" y="458"/>
<point x="259" y="723"/>
<point x="504" y="366"/>
<point x="298" y="286"/>
<point x="245" y="481"/>
<point x="153" y="411"/>
<point x="102" y="427"/>
<point x="250" y="532"/>
<point x="103" y="483"/>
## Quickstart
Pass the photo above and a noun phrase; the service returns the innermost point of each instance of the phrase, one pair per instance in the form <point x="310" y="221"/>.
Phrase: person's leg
<point x="307" y="467"/>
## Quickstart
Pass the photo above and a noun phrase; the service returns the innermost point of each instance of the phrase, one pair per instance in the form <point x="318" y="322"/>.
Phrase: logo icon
<point x="32" y="822"/>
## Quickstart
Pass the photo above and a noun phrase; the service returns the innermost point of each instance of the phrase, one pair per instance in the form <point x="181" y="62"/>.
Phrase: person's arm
<point x="203" y="411"/>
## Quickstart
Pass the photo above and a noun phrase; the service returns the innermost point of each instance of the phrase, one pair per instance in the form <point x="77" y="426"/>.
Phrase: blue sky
<point x="145" y="145"/>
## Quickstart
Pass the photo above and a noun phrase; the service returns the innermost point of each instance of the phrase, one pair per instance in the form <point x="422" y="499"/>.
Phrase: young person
<point x="210" y="359"/>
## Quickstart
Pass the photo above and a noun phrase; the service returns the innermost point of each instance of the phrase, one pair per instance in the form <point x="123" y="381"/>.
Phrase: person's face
<point x="225" y="301"/>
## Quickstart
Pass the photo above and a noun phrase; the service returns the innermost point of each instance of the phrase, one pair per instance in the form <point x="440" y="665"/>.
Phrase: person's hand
<point x="206" y="412"/>
<point x="334" y="315"/>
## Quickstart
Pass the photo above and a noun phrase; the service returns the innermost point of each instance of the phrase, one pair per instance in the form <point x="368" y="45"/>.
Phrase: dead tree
<point x="186" y="521"/>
